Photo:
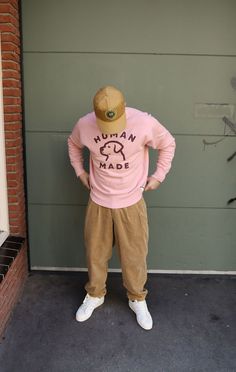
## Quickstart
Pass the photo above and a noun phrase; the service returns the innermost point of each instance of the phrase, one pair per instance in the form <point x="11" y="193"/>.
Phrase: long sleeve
<point x="162" y="140"/>
<point x="76" y="154"/>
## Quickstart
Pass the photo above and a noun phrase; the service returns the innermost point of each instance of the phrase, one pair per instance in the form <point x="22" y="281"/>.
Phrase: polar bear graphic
<point x="112" y="147"/>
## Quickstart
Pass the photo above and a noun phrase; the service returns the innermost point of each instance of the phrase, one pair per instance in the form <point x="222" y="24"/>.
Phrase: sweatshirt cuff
<point x="159" y="175"/>
<point x="79" y="172"/>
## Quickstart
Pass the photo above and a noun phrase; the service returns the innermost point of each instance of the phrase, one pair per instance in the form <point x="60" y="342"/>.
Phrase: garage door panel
<point x="193" y="181"/>
<point x="192" y="239"/>
<point x="180" y="239"/>
<point x="177" y="90"/>
<point x="183" y="26"/>
<point x="56" y="235"/>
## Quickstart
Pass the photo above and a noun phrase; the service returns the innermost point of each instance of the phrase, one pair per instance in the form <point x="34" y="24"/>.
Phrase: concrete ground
<point x="194" y="327"/>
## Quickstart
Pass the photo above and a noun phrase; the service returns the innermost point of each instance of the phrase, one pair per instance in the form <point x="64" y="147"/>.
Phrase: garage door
<point x="173" y="59"/>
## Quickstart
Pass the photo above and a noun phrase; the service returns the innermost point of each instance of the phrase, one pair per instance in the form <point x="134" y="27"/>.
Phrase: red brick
<point x="8" y="28"/>
<point x="14" y="230"/>
<point x="11" y="160"/>
<point x="14" y="125"/>
<point x="11" y="37"/>
<point x="13" y="142"/>
<point x="14" y="221"/>
<point x="12" y="117"/>
<point x="10" y="56"/>
<point x="17" y="227"/>
<point x="15" y="183"/>
<point x="9" y="46"/>
<point x="14" y="207"/>
<point x="7" y="18"/>
<point x="11" y="65"/>
<point x="12" y="109"/>
<point x="18" y="231"/>
<point x="12" y="183"/>
<point x="12" y="134"/>
<point x="13" y="215"/>
<point x="8" y="8"/>
<point x="19" y="216"/>
<point x="11" y="83"/>
<point x="11" y="101"/>
<point x="19" y="174"/>
<point x="11" y="168"/>
<point x="12" y="176"/>
<point x="19" y="224"/>
<point x="10" y="40"/>
<point x="11" y="74"/>
<point x="11" y="92"/>
<point x="12" y="2"/>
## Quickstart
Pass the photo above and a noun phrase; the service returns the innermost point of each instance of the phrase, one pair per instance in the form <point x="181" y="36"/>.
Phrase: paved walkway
<point x="194" y="327"/>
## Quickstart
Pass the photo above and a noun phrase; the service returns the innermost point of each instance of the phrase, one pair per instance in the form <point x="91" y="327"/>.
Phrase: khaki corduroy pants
<point x="128" y="229"/>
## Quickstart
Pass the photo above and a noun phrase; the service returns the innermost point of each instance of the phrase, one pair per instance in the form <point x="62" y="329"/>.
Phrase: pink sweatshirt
<point x="119" y="163"/>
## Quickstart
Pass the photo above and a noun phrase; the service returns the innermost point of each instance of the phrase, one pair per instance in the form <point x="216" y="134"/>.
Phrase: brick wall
<point x="11" y="287"/>
<point x="13" y="283"/>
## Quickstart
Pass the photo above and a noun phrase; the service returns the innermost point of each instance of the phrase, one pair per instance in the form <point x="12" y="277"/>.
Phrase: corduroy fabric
<point x="128" y="229"/>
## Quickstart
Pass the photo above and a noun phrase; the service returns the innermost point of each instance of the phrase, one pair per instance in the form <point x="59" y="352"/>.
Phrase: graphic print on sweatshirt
<point x="113" y="149"/>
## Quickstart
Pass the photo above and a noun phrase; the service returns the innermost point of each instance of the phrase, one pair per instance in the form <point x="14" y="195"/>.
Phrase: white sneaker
<point x="143" y="316"/>
<point x="86" y="309"/>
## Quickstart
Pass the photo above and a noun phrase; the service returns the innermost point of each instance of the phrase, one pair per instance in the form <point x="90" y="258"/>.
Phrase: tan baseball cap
<point x="109" y="108"/>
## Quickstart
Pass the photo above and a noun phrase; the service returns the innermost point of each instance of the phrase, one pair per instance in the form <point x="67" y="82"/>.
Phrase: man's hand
<point x="152" y="184"/>
<point x="84" y="178"/>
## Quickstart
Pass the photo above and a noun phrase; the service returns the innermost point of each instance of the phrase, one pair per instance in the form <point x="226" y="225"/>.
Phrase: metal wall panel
<point x="136" y="26"/>
<point x="181" y="238"/>
<point x="59" y="88"/>
<point x="193" y="181"/>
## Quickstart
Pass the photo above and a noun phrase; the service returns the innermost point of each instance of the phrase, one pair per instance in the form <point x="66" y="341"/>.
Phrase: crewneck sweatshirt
<point x="119" y="163"/>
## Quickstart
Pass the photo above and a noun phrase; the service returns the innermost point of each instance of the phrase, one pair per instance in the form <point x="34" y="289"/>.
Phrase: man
<point x="118" y="138"/>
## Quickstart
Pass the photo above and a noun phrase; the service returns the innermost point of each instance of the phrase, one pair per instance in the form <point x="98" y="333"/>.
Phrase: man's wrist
<point x="81" y="173"/>
<point x="156" y="179"/>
